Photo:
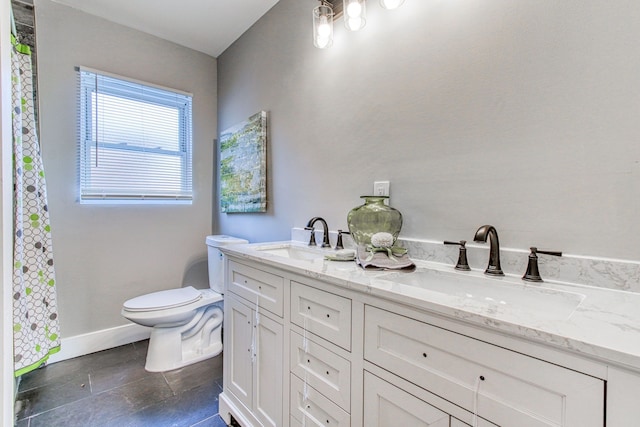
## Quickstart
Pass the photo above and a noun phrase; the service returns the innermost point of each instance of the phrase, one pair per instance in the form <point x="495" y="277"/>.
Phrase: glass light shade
<point x="355" y="13"/>
<point x="322" y="26"/>
<point x="391" y="4"/>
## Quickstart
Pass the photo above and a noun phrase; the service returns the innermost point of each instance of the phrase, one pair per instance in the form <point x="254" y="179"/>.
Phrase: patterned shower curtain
<point x="35" y="312"/>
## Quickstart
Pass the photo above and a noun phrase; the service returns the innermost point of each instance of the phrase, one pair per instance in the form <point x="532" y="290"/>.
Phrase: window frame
<point x="155" y="96"/>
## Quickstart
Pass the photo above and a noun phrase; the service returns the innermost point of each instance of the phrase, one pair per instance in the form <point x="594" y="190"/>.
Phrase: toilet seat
<point x="163" y="300"/>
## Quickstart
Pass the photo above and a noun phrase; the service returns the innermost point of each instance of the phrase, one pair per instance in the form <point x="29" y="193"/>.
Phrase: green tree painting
<point x="243" y="166"/>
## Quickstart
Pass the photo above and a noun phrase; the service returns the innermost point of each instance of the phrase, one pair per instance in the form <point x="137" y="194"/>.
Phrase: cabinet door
<point x="238" y="354"/>
<point x="268" y="371"/>
<point x="385" y="405"/>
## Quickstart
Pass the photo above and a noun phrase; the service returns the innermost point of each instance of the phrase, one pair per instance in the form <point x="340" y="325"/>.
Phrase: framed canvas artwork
<point x="243" y="166"/>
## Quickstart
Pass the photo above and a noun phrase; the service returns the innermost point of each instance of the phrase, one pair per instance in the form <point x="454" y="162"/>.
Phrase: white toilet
<point x="186" y="322"/>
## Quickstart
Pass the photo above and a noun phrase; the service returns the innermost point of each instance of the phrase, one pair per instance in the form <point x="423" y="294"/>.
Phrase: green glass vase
<point x="373" y="217"/>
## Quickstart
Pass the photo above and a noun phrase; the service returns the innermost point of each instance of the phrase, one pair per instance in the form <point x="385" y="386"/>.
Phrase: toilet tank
<point x="216" y="259"/>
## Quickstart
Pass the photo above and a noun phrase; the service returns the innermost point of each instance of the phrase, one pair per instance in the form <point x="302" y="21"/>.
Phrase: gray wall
<point x="107" y="254"/>
<point x="519" y="114"/>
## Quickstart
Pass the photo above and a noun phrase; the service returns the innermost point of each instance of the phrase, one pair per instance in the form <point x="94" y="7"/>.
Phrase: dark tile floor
<point x="111" y="388"/>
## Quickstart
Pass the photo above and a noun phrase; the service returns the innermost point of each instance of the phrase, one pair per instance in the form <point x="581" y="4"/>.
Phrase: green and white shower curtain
<point x="35" y="309"/>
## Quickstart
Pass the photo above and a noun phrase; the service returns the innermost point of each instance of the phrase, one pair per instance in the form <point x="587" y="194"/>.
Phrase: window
<point x="135" y="141"/>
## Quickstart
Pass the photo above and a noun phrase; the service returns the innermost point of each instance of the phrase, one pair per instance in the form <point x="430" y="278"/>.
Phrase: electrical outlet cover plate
<point x="381" y="188"/>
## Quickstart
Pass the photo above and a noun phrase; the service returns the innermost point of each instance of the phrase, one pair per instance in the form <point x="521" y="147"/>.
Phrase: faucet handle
<point x="312" y="239"/>
<point x="339" y="244"/>
<point x="462" y="263"/>
<point x="554" y="253"/>
<point x="533" y="274"/>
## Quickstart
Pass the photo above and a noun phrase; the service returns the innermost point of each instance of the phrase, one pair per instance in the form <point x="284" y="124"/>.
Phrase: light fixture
<point x="323" y="25"/>
<point x="353" y="11"/>
<point x="391" y="4"/>
<point x="355" y="14"/>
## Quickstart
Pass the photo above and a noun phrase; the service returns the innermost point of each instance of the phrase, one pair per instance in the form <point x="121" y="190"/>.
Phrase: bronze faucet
<point x="489" y="231"/>
<point x="325" y="231"/>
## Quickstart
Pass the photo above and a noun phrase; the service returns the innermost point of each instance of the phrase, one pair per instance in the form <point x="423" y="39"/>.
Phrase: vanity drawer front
<point x="385" y="405"/>
<point x="507" y="388"/>
<point x="295" y="423"/>
<point x="321" y="313"/>
<point x="324" y="370"/>
<point x="318" y="410"/>
<point x="480" y="423"/>
<point x="253" y="284"/>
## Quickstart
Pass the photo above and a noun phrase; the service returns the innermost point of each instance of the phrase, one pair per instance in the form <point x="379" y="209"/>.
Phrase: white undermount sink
<point x="505" y="298"/>
<point x="288" y="250"/>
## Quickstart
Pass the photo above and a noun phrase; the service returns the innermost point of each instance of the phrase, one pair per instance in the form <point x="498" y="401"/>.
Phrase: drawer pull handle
<point x="424" y="354"/>
<point x="327" y="372"/>
<point x="308" y="307"/>
<point x="481" y="377"/>
<point x="328" y="315"/>
<point x="308" y="361"/>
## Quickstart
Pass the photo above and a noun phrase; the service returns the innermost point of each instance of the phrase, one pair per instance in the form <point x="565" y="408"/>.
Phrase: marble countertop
<point x="592" y="321"/>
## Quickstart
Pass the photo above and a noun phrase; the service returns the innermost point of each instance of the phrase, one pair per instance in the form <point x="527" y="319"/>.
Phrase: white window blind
<point x="135" y="141"/>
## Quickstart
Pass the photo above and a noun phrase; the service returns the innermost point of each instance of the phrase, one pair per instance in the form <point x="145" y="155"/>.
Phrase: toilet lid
<point x="164" y="299"/>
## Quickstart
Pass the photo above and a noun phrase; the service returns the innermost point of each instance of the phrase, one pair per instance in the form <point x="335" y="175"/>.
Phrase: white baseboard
<point x="80" y="345"/>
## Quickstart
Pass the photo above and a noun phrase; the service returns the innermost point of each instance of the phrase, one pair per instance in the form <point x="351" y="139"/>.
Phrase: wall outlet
<point x="381" y="188"/>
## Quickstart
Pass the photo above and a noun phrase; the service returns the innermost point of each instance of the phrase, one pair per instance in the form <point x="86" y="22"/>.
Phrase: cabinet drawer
<point x="480" y="423"/>
<point x="385" y="405"/>
<point x="315" y="409"/>
<point x="324" y="370"/>
<point x="506" y="387"/>
<point x="257" y="285"/>
<point x="324" y="314"/>
<point x="295" y="423"/>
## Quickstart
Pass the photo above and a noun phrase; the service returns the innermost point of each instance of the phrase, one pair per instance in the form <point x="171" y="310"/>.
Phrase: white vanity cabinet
<point x="301" y="351"/>
<point x="254" y="345"/>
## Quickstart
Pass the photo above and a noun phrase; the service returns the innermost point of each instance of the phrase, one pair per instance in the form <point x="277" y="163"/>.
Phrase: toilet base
<point x="176" y="347"/>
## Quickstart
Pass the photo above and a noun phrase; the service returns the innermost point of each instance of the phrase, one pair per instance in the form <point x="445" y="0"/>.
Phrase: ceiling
<point x="209" y="26"/>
